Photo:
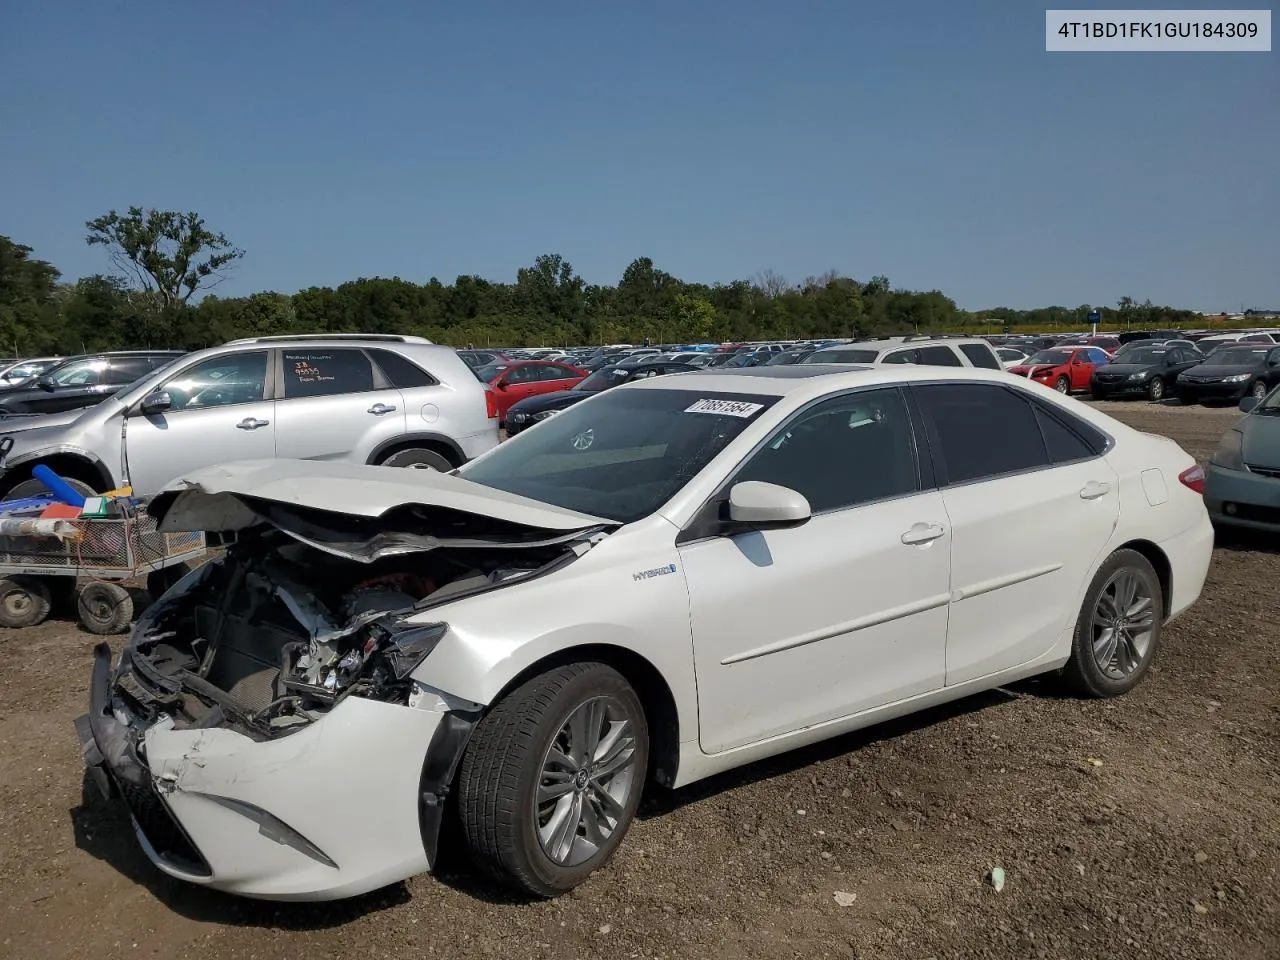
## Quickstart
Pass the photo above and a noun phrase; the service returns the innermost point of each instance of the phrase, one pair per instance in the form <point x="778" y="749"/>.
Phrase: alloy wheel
<point x="586" y="781"/>
<point x="1123" y="621"/>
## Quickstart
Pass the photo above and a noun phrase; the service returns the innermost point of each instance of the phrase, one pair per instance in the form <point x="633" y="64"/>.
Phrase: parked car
<point x="1230" y="373"/>
<point x="1242" y="481"/>
<point x="482" y="358"/>
<point x="767" y="560"/>
<point x="928" y="351"/>
<point x="788" y="357"/>
<point x="1143" y="371"/>
<point x="513" y="381"/>
<point x="81" y="381"/>
<point x="1011" y="356"/>
<point x="389" y="403"/>
<point x="534" y="410"/>
<point x="1065" y="369"/>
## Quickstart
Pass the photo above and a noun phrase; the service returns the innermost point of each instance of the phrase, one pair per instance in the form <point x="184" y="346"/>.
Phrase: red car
<point x="512" y="381"/>
<point x="1065" y="369"/>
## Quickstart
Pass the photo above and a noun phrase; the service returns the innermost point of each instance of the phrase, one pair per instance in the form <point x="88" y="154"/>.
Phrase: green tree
<point x="173" y="254"/>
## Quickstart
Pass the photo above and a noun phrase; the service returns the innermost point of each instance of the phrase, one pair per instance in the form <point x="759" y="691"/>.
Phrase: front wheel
<point x="1259" y="391"/>
<point x="1155" y="389"/>
<point x="552" y="777"/>
<point x="1118" y="629"/>
<point x="1063" y="385"/>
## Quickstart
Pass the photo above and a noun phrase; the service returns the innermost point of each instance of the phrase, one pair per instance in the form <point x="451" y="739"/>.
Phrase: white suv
<point x="926" y="351"/>
<point x="370" y="400"/>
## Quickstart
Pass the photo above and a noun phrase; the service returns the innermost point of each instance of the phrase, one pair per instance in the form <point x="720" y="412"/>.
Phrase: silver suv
<point x="924" y="350"/>
<point x="375" y="400"/>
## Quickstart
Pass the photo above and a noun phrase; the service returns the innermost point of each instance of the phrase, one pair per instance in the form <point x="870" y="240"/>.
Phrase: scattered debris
<point x="996" y="878"/>
<point x="1200" y="908"/>
<point x="844" y="898"/>
<point x="605" y="927"/>
<point x="1201" y="856"/>
<point x="1093" y="761"/>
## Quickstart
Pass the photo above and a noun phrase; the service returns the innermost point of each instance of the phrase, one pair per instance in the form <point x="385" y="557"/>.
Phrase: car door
<point x="847" y="612"/>
<point x="334" y="404"/>
<point x="1032" y="503"/>
<point x="517" y="383"/>
<point x="556" y="376"/>
<point x="1080" y="369"/>
<point x="219" y="411"/>
<point x="76" y="385"/>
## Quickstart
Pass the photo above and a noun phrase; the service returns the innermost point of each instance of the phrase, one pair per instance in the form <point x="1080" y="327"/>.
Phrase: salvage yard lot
<point x="1143" y="827"/>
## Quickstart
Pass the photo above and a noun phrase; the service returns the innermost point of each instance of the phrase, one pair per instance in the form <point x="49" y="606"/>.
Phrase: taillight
<point x="1193" y="478"/>
<point x="490" y="404"/>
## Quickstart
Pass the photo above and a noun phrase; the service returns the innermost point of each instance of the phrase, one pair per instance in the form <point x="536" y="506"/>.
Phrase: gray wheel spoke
<point x="608" y="804"/>
<point x="1123" y="618"/>
<point x="592" y="828"/>
<point x="1139" y="607"/>
<point x="553" y="791"/>
<point x="584" y="730"/>
<point x="1104" y="648"/>
<point x="565" y="762"/>
<point x="557" y="836"/>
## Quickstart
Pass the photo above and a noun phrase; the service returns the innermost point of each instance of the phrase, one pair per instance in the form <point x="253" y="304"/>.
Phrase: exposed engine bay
<point x="270" y="637"/>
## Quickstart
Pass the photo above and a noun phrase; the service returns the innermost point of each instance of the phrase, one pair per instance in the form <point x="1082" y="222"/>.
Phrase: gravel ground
<point x="1143" y="827"/>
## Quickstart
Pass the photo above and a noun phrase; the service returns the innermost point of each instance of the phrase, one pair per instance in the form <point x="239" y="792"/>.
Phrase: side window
<point x="981" y="431"/>
<point x="128" y="369"/>
<point x="939" y="357"/>
<point x="522" y="374"/>
<point x="842" y="452"/>
<point x="980" y="356"/>
<point x="324" y="373"/>
<point x="902" y="356"/>
<point x="400" y="371"/>
<point x="219" y="382"/>
<point x="557" y="372"/>
<point x="1063" y="443"/>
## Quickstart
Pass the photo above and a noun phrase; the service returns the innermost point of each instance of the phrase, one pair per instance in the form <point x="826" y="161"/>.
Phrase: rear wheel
<point x="1062" y="385"/>
<point x="419" y="458"/>
<point x="24" y="601"/>
<point x="1118" y="629"/>
<point x="105" y="608"/>
<point x="552" y="777"/>
<point x="1155" y="389"/>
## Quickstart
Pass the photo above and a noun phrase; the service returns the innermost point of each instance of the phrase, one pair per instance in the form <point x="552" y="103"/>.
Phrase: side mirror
<point x="154" y="403"/>
<point x="1248" y="403"/>
<point x="761" y="505"/>
<point x="501" y="384"/>
<point x="44" y="383"/>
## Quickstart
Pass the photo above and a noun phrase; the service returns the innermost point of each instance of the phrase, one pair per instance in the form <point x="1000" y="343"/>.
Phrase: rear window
<point x="980" y="356"/>
<point x="939" y="357"/>
<point x="324" y="373"/>
<point x="400" y="371"/>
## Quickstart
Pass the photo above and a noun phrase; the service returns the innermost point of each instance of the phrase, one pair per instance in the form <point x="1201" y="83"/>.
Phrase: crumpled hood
<point x="362" y="512"/>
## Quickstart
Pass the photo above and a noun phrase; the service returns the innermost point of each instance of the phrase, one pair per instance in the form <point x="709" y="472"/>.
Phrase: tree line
<point x="164" y="259"/>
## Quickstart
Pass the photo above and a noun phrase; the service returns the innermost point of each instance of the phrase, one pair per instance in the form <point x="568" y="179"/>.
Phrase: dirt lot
<point x="1144" y="827"/>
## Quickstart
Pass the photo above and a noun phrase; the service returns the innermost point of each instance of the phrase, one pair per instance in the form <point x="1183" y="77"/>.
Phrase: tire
<point x="1062" y="385"/>
<point x="418" y="458"/>
<point x="507" y="761"/>
<point x="105" y="608"/>
<point x="1128" y="662"/>
<point x="24" y="601"/>
<point x="1095" y="394"/>
<point x="1259" y="390"/>
<point x="34" y="488"/>
<point x="1155" y="389"/>
<point x="159" y="581"/>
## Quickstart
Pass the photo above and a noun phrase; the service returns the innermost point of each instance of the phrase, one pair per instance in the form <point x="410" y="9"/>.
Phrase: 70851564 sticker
<point x="727" y="408"/>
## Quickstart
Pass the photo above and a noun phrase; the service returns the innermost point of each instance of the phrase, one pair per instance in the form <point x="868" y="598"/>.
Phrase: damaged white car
<point x="668" y="580"/>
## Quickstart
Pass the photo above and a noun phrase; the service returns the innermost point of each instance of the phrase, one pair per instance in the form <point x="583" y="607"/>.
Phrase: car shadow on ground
<point x="1242" y="540"/>
<point x="104" y="831"/>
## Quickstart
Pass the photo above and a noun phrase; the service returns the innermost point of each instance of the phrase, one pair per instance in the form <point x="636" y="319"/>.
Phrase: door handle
<point x="378" y="409"/>
<point x="923" y="533"/>
<point x="249" y="423"/>
<point x="1094" y="489"/>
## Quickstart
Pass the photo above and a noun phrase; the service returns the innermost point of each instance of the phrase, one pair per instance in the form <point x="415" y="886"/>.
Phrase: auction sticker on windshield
<point x="727" y="408"/>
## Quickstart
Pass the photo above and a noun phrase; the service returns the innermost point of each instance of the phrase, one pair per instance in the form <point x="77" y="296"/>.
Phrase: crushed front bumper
<point x="345" y="805"/>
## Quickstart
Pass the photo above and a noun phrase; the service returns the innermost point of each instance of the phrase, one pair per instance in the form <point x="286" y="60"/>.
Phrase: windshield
<point x="489" y="371"/>
<point x="602" y="379"/>
<point x="79" y="373"/>
<point x="1054" y="357"/>
<point x="1236" y="357"/>
<point x="842" y="356"/>
<point x="620" y="456"/>
<point x="1144" y="355"/>
<point x="21" y="371"/>
<point x="141" y="380"/>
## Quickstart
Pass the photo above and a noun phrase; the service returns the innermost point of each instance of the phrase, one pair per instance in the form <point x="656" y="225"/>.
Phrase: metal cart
<point x="90" y="558"/>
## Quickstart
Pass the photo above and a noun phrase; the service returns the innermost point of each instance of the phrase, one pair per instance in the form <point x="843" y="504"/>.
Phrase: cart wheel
<point x="105" y="607"/>
<point x="24" y="601"/>
<point x="159" y="581"/>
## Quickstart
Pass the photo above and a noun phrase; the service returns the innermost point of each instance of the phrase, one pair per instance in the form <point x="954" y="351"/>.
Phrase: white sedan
<point x="668" y="580"/>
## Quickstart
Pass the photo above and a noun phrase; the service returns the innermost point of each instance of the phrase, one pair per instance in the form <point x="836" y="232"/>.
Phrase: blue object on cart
<point x="57" y="486"/>
<point x="26" y="505"/>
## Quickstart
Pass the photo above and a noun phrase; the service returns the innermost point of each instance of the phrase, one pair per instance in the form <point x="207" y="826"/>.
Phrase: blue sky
<point x="934" y="142"/>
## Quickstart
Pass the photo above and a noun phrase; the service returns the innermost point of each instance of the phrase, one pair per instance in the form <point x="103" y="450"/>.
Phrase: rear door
<point x="219" y="412"/>
<point x="1032" y="504"/>
<point x="333" y="403"/>
<point x="556" y="376"/>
